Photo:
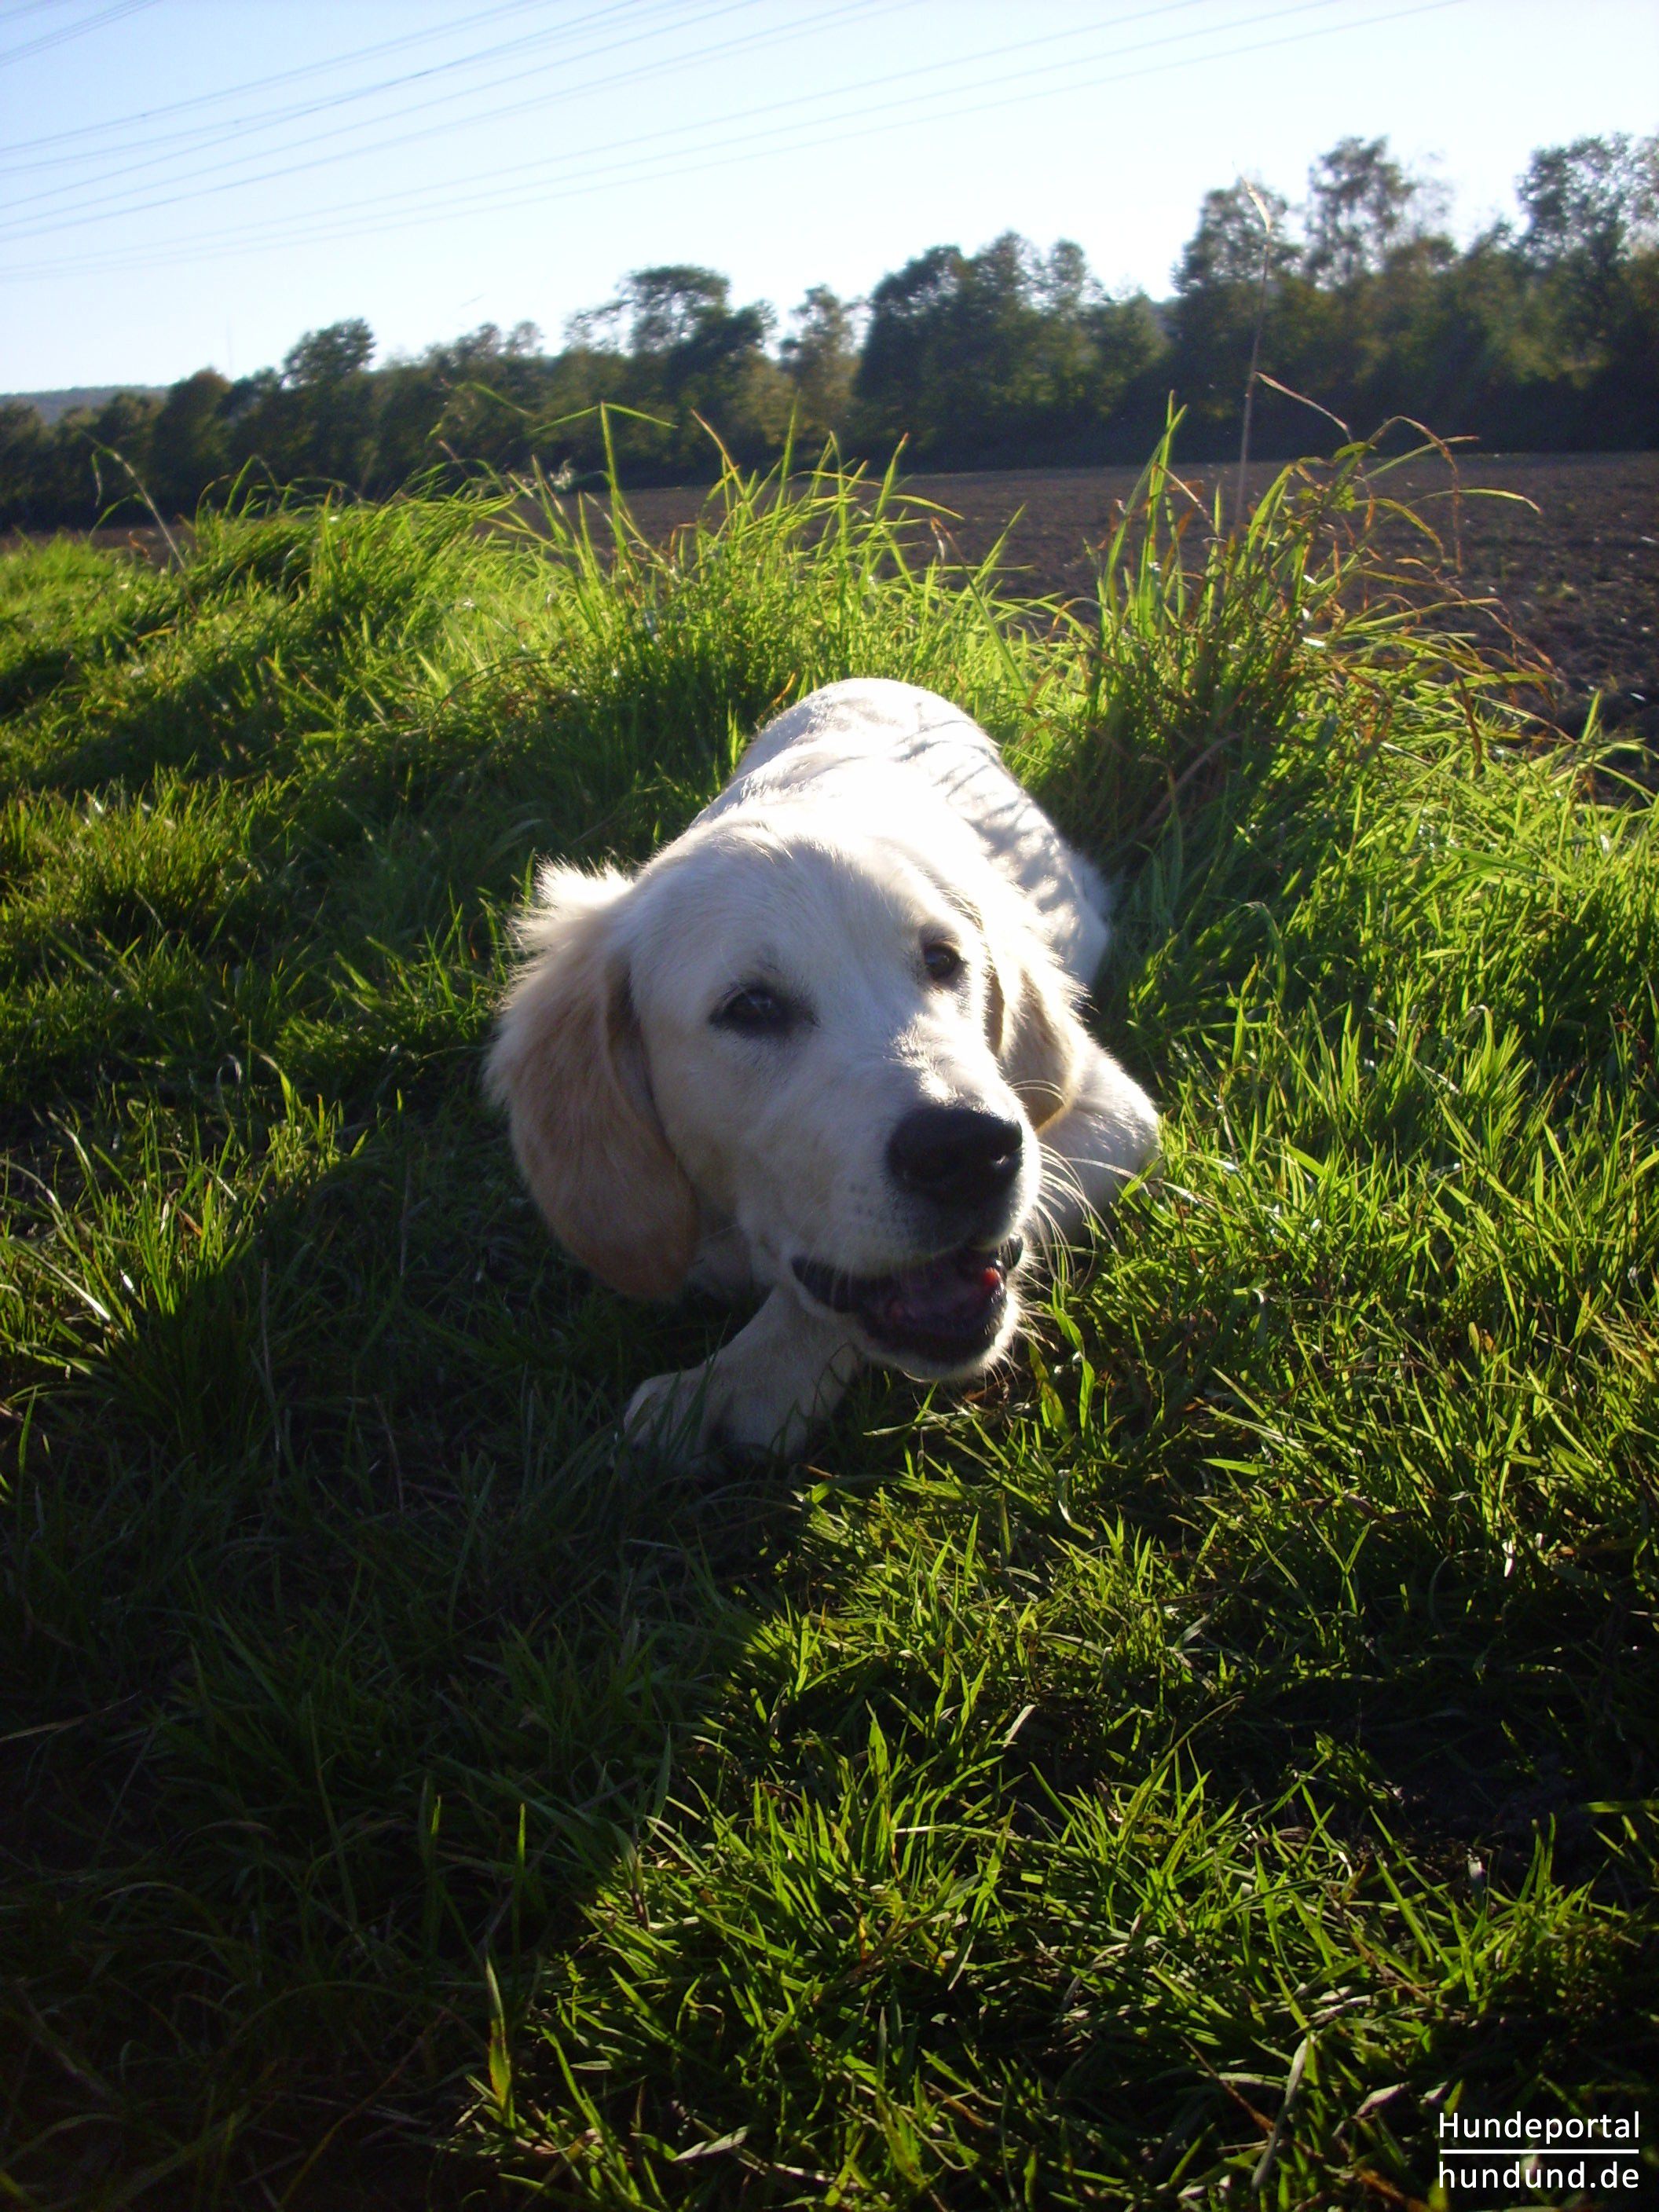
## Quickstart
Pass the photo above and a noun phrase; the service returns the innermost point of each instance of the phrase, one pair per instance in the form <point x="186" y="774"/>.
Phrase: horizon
<point x="263" y="189"/>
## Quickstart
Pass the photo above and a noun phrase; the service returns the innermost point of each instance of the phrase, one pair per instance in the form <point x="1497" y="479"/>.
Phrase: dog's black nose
<point x="955" y="1155"/>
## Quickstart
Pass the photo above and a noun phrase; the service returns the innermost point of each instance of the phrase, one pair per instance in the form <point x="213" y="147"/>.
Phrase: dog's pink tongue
<point x="947" y="1294"/>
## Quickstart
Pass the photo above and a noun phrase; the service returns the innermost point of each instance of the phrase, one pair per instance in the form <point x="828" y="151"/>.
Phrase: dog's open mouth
<point x="946" y="1310"/>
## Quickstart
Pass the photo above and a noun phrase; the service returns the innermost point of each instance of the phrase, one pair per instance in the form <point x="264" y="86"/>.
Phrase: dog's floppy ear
<point x="569" y="1065"/>
<point x="1033" y="1025"/>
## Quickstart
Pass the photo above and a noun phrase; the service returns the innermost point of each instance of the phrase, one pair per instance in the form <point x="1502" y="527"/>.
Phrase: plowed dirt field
<point x="1570" y="559"/>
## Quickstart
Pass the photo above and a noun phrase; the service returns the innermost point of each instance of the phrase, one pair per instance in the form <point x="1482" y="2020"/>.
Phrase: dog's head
<point x="843" y="1044"/>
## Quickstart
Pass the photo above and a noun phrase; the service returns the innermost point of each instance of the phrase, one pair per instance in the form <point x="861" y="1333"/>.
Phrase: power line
<point x="584" y="90"/>
<point x="469" y="19"/>
<point x="196" y="138"/>
<point x="77" y="216"/>
<point x="32" y="8"/>
<point x="208" y="246"/>
<point x="68" y="31"/>
<point x="582" y="158"/>
<point x="209" y="135"/>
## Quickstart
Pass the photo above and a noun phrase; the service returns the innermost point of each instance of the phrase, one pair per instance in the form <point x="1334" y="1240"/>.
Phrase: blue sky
<point x="193" y="181"/>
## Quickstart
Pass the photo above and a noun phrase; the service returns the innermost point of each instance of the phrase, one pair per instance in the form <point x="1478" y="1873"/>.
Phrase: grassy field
<point x="1178" y="1771"/>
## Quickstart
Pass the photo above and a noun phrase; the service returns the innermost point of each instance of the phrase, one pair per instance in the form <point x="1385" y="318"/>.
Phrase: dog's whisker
<point x="1058" y="1168"/>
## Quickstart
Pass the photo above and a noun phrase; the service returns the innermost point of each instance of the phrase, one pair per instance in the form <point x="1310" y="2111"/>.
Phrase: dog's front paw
<point x="757" y="1398"/>
<point x="701" y="1415"/>
<point x="677" y="1417"/>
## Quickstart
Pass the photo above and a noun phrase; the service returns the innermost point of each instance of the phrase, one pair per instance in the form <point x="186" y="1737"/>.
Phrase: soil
<point x="1570" y="555"/>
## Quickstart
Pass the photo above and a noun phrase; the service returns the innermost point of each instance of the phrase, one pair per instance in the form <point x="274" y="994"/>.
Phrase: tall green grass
<point x="1100" y="1786"/>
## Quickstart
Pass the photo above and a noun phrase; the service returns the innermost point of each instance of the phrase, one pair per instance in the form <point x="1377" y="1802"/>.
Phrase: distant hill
<point x="49" y="406"/>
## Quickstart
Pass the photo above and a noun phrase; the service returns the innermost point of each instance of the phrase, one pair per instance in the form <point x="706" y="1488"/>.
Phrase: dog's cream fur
<point x="869" y="822"/>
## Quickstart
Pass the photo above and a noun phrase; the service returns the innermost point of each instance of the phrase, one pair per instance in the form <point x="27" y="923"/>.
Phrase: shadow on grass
<point x="354" y="1665"/>
<point x="349" y="1652"/>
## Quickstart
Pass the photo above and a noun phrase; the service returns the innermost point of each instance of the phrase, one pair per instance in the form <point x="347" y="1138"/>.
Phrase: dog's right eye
<point x="756" y="1011"/>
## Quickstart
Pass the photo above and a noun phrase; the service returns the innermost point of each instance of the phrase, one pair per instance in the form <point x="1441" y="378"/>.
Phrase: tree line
<point x="1542" y="334"/>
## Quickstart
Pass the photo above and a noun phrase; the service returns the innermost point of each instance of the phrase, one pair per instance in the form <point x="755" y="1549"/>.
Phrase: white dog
<point x="824" y="1044"/>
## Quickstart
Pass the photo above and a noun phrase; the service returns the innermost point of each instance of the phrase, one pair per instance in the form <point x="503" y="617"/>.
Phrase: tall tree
<point x="328" y="359"/>
<point x="668" y="306"/>
<point x="820" y="355"/>
<point x="1361" y="204"/>
<point x="191" y="443"/>
<point x="978" y="356"/>
<point x="1590" y="203"/>
<point x="1237" y="275"/>
<point x="327" y="422"/>
<point x="1224" y="252"/>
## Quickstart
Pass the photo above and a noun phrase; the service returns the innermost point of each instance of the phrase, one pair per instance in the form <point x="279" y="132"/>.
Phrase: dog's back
<point x="868" y="734"/>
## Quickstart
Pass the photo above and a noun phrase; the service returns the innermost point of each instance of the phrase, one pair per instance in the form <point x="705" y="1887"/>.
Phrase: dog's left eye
<point x="756" y="1011"/>
<point x="942" y="961"/>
